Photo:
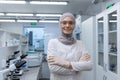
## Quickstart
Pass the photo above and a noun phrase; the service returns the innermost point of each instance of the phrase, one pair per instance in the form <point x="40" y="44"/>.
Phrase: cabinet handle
<point x="105" y="67"/>
<point x="103" y="77"/>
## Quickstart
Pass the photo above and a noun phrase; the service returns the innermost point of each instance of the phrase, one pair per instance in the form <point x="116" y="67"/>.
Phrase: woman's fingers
<point x="51" y="60"/>
<point x="85" y="57"/>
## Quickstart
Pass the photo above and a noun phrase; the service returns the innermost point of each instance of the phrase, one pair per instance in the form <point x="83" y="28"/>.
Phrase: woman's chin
<point x="67" y="32"/>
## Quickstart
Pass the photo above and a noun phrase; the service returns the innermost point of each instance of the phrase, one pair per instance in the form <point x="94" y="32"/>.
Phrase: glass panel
<point x="35" y="38"/>
<point x="112" y="40"/>
<point x="100" y="42"/>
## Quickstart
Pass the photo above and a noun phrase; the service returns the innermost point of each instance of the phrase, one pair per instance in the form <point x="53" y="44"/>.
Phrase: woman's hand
<point x="85" y="57"/>
<point x="54" y="60"/>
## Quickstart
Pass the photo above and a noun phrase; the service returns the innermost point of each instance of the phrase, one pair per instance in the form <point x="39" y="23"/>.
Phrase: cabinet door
<point x="108" y="44"/>
<point x="112" y="43"/>
<point x="100" y="47"/>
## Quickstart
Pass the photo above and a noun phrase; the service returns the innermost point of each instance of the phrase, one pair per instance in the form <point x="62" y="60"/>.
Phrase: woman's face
<point x="67" y="25"/>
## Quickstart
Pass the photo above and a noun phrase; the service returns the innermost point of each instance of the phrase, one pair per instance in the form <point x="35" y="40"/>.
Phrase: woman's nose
<point x="67" y="25"/>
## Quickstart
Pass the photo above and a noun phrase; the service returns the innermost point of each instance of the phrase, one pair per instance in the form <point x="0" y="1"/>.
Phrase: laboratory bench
<point x="31" y="74"/>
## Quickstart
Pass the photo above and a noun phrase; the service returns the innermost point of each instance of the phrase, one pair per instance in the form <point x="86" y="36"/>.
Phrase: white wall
<point x="88" y="37"/>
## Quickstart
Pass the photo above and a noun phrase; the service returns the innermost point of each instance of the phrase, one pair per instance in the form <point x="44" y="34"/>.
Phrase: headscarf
<point x="67" y="39"/>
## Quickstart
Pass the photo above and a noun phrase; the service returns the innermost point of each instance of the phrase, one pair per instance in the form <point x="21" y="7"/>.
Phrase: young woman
<point x="67" y="57"/>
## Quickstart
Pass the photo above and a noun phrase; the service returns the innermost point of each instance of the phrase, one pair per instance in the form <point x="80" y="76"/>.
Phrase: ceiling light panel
<point x="18" y="14"/>
<point x="51" y="15"/>
<point x="12" y="2"/>
<point x="1" y="14"/>
<point x="49" y="21"/>
<point x="7" y="20"/>
<point x="26" y="20"/>
<point x="48" y="3"/>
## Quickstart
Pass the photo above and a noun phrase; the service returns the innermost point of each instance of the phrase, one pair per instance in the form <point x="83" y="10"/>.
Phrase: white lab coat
<point x="70" y="53"/>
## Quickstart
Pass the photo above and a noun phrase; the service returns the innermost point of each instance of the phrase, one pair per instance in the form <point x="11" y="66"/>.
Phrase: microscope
<point x="19" y="71"/>
<point x="11" y="69"/>
<point x="13" y="59"/>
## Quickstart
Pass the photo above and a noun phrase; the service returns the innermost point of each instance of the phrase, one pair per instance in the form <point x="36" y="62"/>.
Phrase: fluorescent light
<point x="114" y="15"/>
<point x="113" y="21"/>
<point x="26" y="20"/>
<point x="18" y="14"/>
<point x="100" y="21"/>
<point x="7" y="20"/>
<point x="52" y="15"/>
<point x="48" y="21"/>
<point x="1" y="14"/>
<point x="109" y="21"/>
<point x="48" y="3"/>
<point x="12" y="2"/>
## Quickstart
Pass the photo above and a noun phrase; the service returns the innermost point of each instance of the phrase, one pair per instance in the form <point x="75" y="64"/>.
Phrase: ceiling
<point x="74" y="6"/>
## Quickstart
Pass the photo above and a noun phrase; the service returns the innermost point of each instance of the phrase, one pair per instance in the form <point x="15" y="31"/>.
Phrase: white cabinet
<point x="8" y="39"/>
<point x="11" y="42"/>
<point x="12" y="39"/>
<point x="108" y="44"/>
<point x="23" y="43"/>
<point x="88" y="37"/>
<point x="2" y="38"/>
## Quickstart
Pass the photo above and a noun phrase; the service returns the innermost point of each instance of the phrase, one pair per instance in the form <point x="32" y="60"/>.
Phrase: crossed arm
<point x="61" y="66"/>
<point x="58" y="65"/>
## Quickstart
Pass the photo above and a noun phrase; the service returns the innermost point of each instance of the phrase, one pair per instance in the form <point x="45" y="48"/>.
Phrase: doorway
<point x="35" y="38"/>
